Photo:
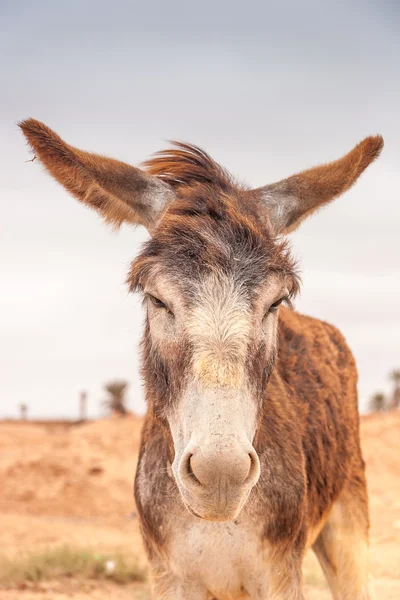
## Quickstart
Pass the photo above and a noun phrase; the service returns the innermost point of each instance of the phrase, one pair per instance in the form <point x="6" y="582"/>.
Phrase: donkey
<point x="250" y="450"/>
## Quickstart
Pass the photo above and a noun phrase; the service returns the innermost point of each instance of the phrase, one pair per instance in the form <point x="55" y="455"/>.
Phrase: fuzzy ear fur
<point x="118" y="191"/>
<point x="291" y="200"/>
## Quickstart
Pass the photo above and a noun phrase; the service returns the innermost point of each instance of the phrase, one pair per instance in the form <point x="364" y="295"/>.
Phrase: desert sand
<point x="73" y="485"/>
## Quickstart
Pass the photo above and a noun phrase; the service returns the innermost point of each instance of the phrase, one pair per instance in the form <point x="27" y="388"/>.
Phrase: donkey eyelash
<point x="158" y="303"/>
<point x="288" y="302"/>
<point x="275" y="305"/>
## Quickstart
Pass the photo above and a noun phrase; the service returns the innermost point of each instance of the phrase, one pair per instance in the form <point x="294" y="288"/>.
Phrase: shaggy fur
<point x="301" y="376"/>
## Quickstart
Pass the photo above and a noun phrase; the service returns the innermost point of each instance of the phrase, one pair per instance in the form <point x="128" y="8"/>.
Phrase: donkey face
<point x="213" y="276"/>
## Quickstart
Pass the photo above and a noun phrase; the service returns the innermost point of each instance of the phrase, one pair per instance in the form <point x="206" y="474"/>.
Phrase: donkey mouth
<point x="209" y="509"/>
<point x="192" y="512"/>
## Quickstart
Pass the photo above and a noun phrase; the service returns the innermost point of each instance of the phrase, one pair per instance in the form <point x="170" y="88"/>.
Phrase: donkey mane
<point x="187" y="164"/>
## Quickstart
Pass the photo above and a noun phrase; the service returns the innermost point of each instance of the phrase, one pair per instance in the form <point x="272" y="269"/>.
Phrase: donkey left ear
<point x="291" y="200"/>
<point x="116" y="190"/>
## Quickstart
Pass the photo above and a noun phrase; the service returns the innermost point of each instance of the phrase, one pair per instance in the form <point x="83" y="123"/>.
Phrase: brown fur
<point x="312" y="488"/>
<point x="111" y="187"/>
<point x="318" y="186"/>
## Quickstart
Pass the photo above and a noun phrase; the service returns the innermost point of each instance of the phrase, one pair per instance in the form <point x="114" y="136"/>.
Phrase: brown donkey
<point x="250" y="450"/>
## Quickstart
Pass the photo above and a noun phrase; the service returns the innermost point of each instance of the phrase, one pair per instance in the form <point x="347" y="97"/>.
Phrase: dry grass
<point x="68" y="562"/>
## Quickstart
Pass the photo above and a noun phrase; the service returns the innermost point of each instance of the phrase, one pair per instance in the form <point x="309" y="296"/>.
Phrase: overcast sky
<point x="267" y="88"/>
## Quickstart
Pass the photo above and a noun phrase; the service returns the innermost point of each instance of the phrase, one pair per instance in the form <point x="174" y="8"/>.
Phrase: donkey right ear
<point x="118" y="191"/>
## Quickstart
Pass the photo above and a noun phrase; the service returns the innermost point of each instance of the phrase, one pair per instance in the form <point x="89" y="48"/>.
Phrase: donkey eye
<point x="274" y="307"/>
<point x="158" y="303"/>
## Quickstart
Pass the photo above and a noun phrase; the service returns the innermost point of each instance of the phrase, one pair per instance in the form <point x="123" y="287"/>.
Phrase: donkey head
<point x="213" y="276"/>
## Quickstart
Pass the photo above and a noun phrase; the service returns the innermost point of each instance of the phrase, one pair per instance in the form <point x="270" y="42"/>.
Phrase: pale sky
<point x="268" y="89"/>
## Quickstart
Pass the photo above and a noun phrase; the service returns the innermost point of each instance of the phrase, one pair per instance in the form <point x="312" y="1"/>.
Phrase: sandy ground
<point x="73" y="485"/>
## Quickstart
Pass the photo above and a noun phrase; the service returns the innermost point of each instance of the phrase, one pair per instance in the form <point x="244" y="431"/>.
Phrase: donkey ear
<point x="291" y="200"/>
<point x="118" y="191"/>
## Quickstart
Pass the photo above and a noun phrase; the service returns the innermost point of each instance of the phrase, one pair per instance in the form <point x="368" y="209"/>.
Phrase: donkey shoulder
<point x="314" y="355"/>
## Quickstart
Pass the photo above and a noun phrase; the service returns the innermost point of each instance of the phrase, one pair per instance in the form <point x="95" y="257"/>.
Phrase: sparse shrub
<point x="116" y="402"/>
<point x="378" y="402"/>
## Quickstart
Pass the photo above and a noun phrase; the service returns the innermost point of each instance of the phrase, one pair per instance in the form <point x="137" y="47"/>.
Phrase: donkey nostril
<point x="254" y="471"/>
<point x="189" y="470"/>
